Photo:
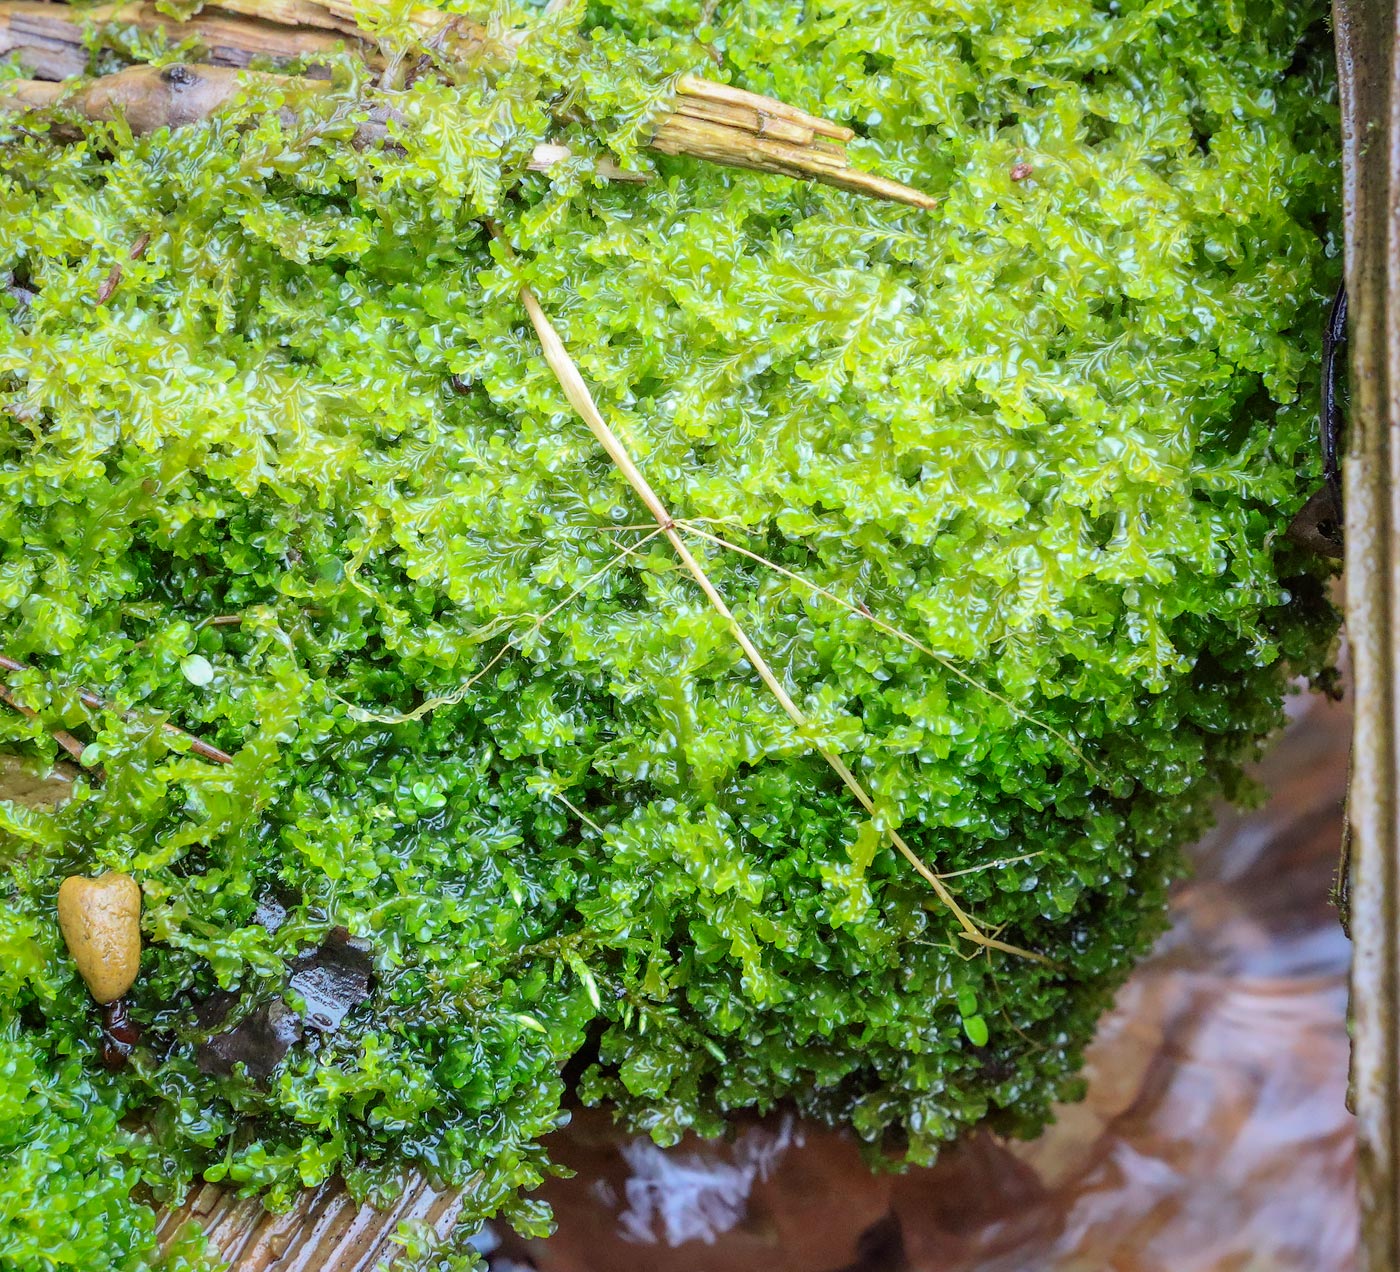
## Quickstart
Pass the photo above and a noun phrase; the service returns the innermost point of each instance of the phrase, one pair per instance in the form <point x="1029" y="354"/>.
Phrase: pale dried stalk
<point x="709" y="90"/>
<point x="577" y="392"/>
<point x="720" y="113"/>
<point x="704" y="120"/>
<point x="693" y="527"/>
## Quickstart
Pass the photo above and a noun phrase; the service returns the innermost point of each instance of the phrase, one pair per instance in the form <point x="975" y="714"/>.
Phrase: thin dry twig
<point x="576" y="810"/>
<point x="863" y="612"/>
<point x="65" y="739"/>
<point x="496" y="624"/>
<point x="576" y="391"/>
<point x="198" y="747"/>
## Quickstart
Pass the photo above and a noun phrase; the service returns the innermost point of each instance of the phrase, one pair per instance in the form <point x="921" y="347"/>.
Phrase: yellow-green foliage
<point x="1054" y="430"/>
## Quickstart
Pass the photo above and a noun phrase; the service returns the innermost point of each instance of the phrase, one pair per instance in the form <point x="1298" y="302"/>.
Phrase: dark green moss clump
<point x="304" y="485"/>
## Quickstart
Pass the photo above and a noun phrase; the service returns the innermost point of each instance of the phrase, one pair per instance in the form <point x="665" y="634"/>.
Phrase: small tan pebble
<point x="1020" y="171"/>
<point x="101" y="924"/>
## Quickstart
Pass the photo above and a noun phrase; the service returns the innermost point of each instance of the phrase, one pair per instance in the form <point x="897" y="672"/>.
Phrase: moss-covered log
<point x="148" y="98"/>
<point x="714" y="122"/>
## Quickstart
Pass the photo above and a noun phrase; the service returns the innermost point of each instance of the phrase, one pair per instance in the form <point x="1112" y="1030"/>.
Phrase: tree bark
<point x="1369" y="78"/>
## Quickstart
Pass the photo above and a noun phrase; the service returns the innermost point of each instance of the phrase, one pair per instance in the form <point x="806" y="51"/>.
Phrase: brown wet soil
<point x="25" y="784"/>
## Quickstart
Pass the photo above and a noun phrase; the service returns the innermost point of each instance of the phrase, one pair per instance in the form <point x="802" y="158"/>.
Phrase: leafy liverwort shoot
<point x="1000" y="489"/>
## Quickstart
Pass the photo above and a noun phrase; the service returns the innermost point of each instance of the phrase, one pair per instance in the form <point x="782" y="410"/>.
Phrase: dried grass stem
<point x="576" y="391"/>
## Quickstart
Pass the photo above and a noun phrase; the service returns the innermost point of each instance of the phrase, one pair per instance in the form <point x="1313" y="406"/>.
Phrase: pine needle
<point x="989" y="865"/>
<point x="946" y="663"/>
<point x="576" y="391"/>
<point x="364" y="715"/>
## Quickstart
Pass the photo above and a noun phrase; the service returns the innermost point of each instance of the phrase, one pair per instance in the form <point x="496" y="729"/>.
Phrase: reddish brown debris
<point x="109" y="284"/>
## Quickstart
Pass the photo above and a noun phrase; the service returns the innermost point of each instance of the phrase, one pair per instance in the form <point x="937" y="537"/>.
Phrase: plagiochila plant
<point x="597" y="551"/>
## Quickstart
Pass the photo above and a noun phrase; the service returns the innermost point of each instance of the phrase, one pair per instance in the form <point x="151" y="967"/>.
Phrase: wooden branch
<point x="148" y="97"/>
<point x="705" y="120"/>
<point x="202" y="749"/>
<point x="152" y="97"/>
<point x="47" y="37"/>
<point x="329" y="16"/>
